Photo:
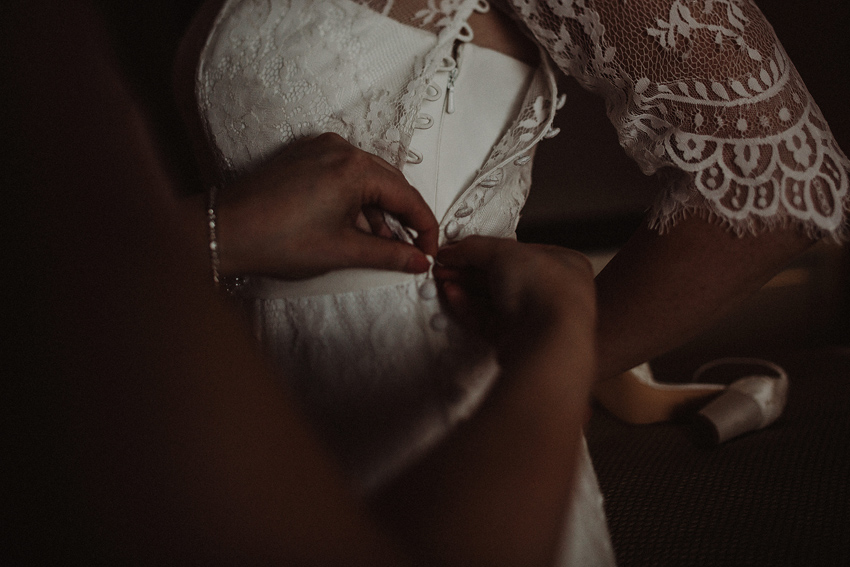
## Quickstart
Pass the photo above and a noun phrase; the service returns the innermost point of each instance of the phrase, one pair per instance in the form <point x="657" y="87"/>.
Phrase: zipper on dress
<point x="456" y="58"/>
<point x="450" y="91"/>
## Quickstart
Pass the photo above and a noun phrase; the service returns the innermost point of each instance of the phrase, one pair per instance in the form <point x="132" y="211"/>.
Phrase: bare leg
<point x="662" y="290"/>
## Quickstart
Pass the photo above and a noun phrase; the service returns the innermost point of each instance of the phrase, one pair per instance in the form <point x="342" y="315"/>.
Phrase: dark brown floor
<point x="780" y="496"/>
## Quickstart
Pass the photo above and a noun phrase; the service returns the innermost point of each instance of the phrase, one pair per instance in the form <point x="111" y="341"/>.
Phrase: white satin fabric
<point x="748" y="404"/>
<point x="488" y="92"/>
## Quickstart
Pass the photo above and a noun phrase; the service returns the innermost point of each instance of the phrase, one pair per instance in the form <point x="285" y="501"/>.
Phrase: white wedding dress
<point x="706" y="94"/>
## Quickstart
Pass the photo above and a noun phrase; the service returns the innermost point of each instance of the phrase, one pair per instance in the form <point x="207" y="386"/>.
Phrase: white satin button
<point x="428" y="290"/>
<point x="439" y="322"/>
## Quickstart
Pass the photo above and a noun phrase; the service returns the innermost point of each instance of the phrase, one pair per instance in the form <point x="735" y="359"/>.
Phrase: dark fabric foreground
<point x="780" y="496"/>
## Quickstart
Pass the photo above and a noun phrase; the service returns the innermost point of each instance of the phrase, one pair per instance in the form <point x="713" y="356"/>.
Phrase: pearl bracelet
<point x="215" y="263"/>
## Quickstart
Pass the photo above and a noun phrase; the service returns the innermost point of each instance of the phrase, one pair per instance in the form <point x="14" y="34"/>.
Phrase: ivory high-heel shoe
<point x="750" y="403"/>
<point x="635" y="396"/>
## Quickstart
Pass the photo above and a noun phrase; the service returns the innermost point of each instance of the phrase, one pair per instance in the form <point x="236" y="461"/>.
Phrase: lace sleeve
<point x="702" y="92"/>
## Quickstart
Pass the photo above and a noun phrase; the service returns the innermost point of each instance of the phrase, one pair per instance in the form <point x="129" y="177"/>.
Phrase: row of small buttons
<point x="452" y="229"/>
<point x="428" y="292"/>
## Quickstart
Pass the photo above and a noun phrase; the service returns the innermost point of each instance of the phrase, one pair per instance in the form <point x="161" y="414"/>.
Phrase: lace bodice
<point x="698" y="90"/>
<point x="273" y="72"/>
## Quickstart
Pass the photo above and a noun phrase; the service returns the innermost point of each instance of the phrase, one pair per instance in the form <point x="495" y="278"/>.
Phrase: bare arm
<point x="316" y="207"/>
<point x="182" y="443"/>
<point x="661" y="290"/>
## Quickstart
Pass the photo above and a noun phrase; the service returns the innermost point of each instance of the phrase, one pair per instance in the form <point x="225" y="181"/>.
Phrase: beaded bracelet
<point x="215" y="263"/>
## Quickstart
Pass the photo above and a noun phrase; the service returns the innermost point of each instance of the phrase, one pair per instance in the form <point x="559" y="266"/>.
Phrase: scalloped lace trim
<point x="705" y="88"/>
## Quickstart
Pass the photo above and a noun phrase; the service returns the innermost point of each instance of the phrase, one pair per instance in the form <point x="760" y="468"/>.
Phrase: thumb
<point x="368" y="251"/>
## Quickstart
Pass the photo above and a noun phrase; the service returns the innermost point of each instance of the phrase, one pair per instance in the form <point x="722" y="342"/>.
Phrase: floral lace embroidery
<point x="698" y="90"/>
<point x="438" y="13"/>
<point x="681" y="22"/>
<point x="260" y="88"/>
<point x="703" y="88"/>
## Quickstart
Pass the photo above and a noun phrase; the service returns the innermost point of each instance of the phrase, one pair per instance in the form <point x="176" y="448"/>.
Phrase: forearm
<point x="183" y="446"/>
<point x="661" y="290"/>
<point x="506" y="505"/>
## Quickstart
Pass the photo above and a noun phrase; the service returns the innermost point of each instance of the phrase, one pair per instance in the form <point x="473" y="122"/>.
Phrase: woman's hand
<point x="459" y="505"/>
<point x="519" y="295"/>
<point x="312" y="208"/>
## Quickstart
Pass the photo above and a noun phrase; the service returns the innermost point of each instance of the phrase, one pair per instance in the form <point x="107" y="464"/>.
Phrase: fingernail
<point x="440" y="272"/>
<point x="454" y="296"/>
<point x="417" y="264"/>
<point x="441" y="254"/>
<point x="445" y="273"/>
